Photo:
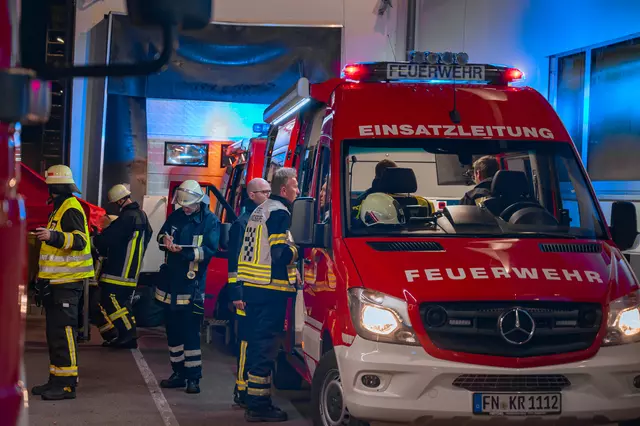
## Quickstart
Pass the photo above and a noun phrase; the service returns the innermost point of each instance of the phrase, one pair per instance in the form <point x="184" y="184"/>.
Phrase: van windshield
<point x="468" y="187"/>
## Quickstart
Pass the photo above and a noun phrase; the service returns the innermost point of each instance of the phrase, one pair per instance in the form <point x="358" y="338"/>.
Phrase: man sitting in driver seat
<point x="484" y="168"/>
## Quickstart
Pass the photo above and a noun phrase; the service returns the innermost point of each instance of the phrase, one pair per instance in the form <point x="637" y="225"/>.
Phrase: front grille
<point x="473" y="327"/>
<point x="405" y="246"/>
<point x="512" y="383"/>
<point x="571" y="248"/>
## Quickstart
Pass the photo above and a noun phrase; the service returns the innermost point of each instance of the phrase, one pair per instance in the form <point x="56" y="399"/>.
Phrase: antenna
<point x="393" y="51"/>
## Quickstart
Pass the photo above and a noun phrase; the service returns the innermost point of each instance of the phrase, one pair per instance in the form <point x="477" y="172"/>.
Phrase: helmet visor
<point x="186" y="197"/>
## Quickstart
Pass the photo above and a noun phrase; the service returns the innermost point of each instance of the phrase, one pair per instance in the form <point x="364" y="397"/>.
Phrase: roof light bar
<point x="438" y="73"/>
<point x="287" y="104"/>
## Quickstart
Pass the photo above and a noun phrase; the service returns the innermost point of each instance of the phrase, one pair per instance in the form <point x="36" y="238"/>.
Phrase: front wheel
<point x="327" y="399"/>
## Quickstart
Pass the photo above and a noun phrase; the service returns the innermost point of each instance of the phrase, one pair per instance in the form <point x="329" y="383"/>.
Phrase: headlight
<point x="380" y="317"/>
<point x="623" y="324"/>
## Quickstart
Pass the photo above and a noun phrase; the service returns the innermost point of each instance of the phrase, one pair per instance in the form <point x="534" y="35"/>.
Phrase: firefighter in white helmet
<point x="190" y="238"/>
<point x="65" y="261"/>
<point x="380" y="208"/>
<point x="123" y="245"/>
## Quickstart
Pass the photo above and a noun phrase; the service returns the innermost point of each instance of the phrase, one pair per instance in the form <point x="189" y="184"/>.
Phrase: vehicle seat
<point x="399" y="182"/>
<point x="507" y="187"/>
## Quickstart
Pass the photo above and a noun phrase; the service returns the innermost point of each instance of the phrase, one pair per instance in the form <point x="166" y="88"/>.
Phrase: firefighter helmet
<point x="188" y="193"/>
<point x="117" y="193"/>
<point x="59" y="174"/>
<point x="379" y="208"/>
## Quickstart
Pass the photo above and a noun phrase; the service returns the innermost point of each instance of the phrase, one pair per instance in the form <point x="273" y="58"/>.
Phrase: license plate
<point x="517" y="404"/>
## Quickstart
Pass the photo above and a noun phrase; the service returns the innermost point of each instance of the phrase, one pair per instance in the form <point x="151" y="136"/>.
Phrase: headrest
<point x="397" y="180"/>
<point x="510" y="184"/>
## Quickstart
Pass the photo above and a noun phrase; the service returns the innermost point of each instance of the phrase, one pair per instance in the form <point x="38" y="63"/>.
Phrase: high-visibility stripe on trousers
<point x="61" y="324"/>
<point x="183" y="337"/>
<point x="266" y="316"/>
<point x="117" y="316"/>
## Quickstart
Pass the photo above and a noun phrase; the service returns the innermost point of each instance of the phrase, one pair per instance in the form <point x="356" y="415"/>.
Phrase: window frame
<point x="605" y="190"/>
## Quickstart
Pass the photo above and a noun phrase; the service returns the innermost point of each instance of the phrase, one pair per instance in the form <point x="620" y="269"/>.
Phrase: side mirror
<point x="302" y="226"/>
<point x="169" y="15"/>
<point x="624" y="224"/>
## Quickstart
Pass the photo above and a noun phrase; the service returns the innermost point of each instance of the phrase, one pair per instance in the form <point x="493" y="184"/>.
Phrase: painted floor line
<point x="154" y="389"/>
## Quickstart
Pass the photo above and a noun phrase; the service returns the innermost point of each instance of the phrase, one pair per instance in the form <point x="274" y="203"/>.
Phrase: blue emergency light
<point x="261" y="128"/>
<point x="432" y="67"/>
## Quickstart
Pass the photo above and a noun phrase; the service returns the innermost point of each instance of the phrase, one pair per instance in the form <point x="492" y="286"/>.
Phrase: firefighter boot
<point x="238" y="399"/>
<point x="175" y="381"/>
<point x="193" y="386"/>
<point x="270" y="414"/>
<point x="58" y="393"/>
<point x="40" y="389"/>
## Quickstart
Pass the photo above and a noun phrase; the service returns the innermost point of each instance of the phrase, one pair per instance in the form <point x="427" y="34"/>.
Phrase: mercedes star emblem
<point x="516" y="326"/>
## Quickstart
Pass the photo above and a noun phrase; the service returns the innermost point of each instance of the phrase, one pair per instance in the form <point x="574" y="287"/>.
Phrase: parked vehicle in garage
<point x="519" y="306"/>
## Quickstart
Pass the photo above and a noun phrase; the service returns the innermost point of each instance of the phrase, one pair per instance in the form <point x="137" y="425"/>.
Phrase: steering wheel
<point x="509" y="211"/>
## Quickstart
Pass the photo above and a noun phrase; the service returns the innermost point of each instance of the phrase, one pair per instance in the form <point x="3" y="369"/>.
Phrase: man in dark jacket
<point x="267" y="269"/>
<point x="484" y="168"/>
<point x="258" y="190"/>
<point x="123" y="245"/>
<point x="190" y="237"/>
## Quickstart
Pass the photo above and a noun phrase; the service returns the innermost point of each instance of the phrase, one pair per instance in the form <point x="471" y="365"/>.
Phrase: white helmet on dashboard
<point x="188" y="194"/>
<point x="379" y="208"/>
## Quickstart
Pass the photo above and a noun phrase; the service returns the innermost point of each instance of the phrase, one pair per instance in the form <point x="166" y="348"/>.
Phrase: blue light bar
<point x="261" y="128"/>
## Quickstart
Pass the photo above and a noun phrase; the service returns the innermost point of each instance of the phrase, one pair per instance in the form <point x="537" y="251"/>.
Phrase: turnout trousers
<point x="61" y="310"/>
<point x="116" y="319"/>
<point x="241" y="377"/>
<point x="183" y="336"/>
<point x="266" y="311"/>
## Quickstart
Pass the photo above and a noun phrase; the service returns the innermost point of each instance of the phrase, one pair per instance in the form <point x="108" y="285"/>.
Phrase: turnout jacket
<point x="268" y="255"/>
<point x="478" y="194"/>
<point x="236" y="235"/>
<point x="123" y="245"/>
<point x="183" y="275"/>
<point x="66" y="257"/>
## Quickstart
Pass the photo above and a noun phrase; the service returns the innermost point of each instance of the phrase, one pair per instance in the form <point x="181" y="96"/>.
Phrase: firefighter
<point x="190" y="238"/>
<point x="267" y="270"/>
<point x="484" y="168"/>
<point x="65" y="261"/>
<point x="258" y="190"/>
<point x="123" y="244"/>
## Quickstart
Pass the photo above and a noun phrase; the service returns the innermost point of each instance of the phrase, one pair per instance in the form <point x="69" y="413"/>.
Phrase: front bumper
<point x="415" y="387"/>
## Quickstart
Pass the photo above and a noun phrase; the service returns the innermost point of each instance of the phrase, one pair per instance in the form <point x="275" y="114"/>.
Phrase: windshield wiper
<point x="540" y="235"/>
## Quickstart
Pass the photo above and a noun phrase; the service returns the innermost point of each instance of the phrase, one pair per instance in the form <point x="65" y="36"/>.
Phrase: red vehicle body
<point x="414" y="282"/>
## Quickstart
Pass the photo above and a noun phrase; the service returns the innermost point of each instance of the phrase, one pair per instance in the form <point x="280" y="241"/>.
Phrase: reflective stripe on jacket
<point x="268" y="255"/>
<point x="63" y="265"/>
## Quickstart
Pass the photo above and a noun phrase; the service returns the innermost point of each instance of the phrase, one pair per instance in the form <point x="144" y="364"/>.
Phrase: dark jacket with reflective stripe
<point x="236" y="234"/>
<point x="123" y="244"/>
<point x="477" y="194"/>
<point x="202" y="229"/>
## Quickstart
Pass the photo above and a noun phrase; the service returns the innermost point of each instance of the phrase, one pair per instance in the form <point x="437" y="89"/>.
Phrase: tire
<point x="326" y="386"/>
<point x="285" y="377"/>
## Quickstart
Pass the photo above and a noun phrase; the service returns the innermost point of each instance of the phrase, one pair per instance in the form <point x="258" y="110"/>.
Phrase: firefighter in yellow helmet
<point x="65" y="261"/>
<point x="190" y="239"/>
<point x="123" y="245"/>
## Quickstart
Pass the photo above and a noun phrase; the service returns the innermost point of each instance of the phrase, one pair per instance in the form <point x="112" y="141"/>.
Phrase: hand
<point x="43" y="234"/>
<point x="168" y="243"/>
<point x="175" y="248"/>
<point x="239" y="304"/>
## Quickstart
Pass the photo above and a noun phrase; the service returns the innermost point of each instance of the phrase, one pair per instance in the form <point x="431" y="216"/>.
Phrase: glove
<point x="42" y="293"/>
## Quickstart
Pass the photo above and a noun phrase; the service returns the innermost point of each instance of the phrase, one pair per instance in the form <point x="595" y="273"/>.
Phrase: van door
<point x="319" y="276"/>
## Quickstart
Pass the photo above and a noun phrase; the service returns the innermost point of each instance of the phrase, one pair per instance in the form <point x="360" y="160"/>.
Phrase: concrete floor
<point x="113" y="391"/>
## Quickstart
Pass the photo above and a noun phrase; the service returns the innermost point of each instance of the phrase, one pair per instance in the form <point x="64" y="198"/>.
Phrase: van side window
<point x="324" y="186"/>
<point x="312" y="132"/>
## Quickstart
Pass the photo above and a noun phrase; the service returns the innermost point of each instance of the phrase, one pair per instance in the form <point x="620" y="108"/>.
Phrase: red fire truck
<point x="520" y="305"/>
